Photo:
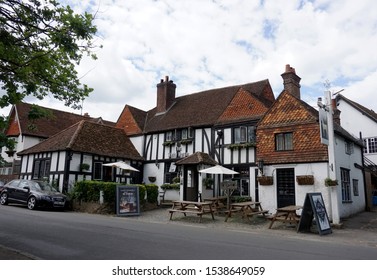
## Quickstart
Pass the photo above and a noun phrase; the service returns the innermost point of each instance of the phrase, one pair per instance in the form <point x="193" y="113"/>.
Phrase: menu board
<point x="314" y="208"/>
<point x="127" y="201"/>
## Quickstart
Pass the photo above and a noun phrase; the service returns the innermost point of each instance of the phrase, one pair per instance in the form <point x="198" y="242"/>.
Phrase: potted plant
<point x="208" y="182"/>
<point x="176" y="180"/>
<point x="305" y="179"/>
<point x="84" y="166"/>
<point x="265" y="180"/>
<point x="330" y="182"/>
<point x="152" y="179"/>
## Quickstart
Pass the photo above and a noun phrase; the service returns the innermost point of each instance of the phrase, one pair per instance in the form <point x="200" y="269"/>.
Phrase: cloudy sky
<point x="206" y="44"/>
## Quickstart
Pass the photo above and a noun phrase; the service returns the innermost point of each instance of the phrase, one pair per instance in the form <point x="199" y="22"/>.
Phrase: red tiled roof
<point x="205" y="108"/>
<point x="89" y="137"/>
<point x="44" y="127"/>
<point x="132" y="120"/>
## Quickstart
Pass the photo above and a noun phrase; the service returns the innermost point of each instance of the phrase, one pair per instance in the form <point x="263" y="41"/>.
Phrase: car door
<point x="23" y="191"/>
<point x="12" y="188"/>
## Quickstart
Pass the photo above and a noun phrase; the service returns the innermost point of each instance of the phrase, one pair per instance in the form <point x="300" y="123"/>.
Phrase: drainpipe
<point x="367" y="208"/>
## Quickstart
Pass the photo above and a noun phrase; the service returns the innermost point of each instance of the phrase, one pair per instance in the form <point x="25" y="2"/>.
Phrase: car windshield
<point x="44" y="186"/>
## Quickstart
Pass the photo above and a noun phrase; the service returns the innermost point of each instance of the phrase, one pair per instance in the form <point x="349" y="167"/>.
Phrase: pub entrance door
<point x="285" y="187"/>
<point x="190" y="183"/>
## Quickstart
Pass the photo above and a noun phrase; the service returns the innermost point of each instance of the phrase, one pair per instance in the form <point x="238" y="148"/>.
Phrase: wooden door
<point x="191" y="184"/>
<point x="285" y="187"/>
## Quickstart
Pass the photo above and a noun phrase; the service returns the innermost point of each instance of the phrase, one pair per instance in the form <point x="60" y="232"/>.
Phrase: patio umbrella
<point x="121" y="165"/>
<point x="218" y="169"/>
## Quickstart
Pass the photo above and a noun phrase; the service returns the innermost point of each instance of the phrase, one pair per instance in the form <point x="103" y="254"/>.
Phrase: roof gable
<point x="363" y="110"/>
<point x="288" y="110"/>
<point x="243" y="106"/>
<point x="131" y="120"/>
<point x="89" y="137"/>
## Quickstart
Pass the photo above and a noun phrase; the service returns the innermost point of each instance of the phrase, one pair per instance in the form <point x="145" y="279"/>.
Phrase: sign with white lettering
<point x="127" y="201"/>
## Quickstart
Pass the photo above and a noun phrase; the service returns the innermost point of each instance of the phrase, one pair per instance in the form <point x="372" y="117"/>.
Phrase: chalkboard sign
<point x="127" y="201"/>
<point x="314" y="207"/>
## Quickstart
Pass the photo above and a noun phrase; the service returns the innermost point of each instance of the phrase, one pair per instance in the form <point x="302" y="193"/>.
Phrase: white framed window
<point x="244" y="134"/>
<point x="370" y="145"/>
<point x="346" y="185"/>
<point x="184" y="133"/>
<point x="355" y="185"/>
<point x="284" y="141"/>
<point x="169" y="136"/>
<point x="349" y="147"/>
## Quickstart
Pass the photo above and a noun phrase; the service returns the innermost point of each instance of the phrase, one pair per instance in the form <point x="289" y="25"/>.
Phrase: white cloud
<point x="203" y="44"/>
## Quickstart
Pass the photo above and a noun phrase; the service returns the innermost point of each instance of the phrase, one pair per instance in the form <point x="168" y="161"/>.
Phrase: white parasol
<point x="218" y="169"/>
<point x="121" y="165"/>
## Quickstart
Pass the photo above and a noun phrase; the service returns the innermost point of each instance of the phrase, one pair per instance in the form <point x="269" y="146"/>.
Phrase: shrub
<point x="89" y="191"/>
<point x="170" y="186"/>
<point x="152" y="193"/>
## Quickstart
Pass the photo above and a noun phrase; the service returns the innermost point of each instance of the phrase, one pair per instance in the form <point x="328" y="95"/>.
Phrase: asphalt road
<point x="71" y="235"/>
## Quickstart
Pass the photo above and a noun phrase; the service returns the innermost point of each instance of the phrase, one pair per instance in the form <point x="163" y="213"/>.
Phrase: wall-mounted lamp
<point x="157" y="164"/>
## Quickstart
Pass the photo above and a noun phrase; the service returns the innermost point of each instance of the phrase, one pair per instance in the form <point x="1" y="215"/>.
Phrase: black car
<point x="33" y="193"/>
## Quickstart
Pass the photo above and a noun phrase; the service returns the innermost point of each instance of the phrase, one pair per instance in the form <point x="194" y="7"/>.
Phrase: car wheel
<point x="32" y="203"/>
<point x="4" y="199"/>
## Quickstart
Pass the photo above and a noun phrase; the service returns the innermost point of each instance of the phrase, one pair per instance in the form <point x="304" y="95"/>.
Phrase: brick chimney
<point x="291" y="81"/>
<point x="165" y="95"/>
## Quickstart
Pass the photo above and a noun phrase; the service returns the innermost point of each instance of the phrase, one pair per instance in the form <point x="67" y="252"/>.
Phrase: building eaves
<point x="46" y="127"/>
<point x="365" y="111"/>
<point x="91" y="138"/>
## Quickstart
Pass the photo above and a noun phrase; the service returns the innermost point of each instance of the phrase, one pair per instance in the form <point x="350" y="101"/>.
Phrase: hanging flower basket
<point x="331" y="183"/>
<point x="305" y="179"/>
<point x="265" y="180"/>
<point x="152" y="179"/>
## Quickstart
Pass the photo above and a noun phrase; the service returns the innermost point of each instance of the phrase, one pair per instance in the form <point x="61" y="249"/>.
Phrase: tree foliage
<point x="41" y="42"/>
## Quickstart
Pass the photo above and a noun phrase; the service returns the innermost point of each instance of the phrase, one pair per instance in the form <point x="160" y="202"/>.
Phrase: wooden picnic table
<point x="191" y="207"/>
<point x="247" y="209"/>
<point x="218" y="202"/>
<point x="286" y="214"/>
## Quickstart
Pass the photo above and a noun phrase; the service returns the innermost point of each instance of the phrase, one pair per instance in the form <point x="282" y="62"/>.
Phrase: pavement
<point x="359" y="229"/>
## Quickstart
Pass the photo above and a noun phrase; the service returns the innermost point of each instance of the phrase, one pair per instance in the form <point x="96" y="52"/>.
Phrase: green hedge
<point x="167" y="186"/>
<point x="152" y="193"/>
<point x="89" y="191"/>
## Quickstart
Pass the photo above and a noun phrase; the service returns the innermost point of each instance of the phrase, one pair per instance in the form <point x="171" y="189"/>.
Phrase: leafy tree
<point x="41" y="42"/>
